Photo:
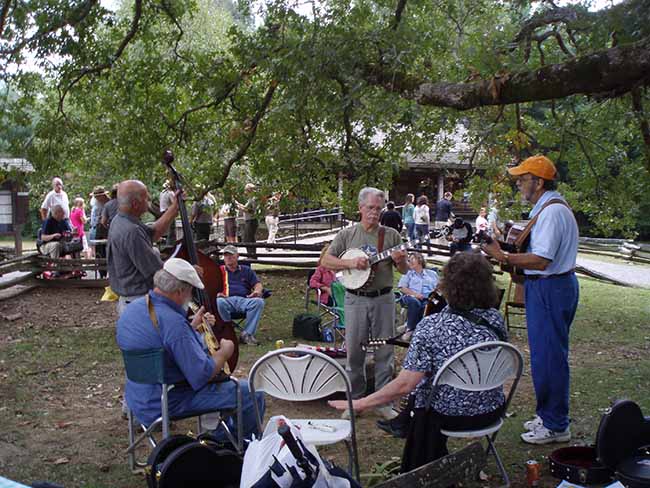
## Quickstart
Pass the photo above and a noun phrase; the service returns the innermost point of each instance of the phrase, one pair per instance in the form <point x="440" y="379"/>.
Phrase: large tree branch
<point x="251" y="130"/>
<point x="70" y="18"/>
<point x="611" y="72"/>
<point x="135" y="23"/>
<point x="566" y="15"/>
<point x="399" y="10"/>
<point x="3" y="15"/>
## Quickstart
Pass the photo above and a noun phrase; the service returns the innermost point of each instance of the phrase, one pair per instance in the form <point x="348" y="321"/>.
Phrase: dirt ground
<point x="61" y="388"/>
<point x="61" y="380"/>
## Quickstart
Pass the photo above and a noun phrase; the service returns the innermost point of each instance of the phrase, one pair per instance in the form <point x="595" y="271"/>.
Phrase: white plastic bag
<point x="263" y="453"/>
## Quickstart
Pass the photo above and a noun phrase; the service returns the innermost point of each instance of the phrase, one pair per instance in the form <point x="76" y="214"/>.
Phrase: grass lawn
<point x="61" y="378"/>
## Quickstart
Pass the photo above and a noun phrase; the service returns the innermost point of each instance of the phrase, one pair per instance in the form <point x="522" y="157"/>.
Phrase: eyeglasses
<point x="371" y="208"/>
<point x="521" y="180"/>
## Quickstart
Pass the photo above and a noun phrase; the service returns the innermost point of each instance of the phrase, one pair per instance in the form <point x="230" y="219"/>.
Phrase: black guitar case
<point x="622" y="443"/>
<point x="182" y="461"/>
<point x="579" y="465"/>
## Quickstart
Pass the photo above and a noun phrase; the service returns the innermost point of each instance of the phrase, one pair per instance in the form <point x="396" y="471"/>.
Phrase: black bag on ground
<point x="307" y="326"/>
<point x="181" y="461"/>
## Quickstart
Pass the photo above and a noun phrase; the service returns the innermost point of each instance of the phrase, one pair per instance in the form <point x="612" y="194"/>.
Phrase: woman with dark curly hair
<point x="469" y="318"/>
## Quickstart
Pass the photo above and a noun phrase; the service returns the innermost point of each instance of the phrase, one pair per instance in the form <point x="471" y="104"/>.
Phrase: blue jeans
<point x="421" y="230"/>
<point x="144" y="400"/>
<point x="551" y="304"/>
<point x="252" y="307"/>
<point x="414" y="310"/>
<point x="410" y="230"/>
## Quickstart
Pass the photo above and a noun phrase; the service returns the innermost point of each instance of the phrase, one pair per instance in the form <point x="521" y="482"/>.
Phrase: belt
<point x="371" y="294"/>
<point x="539" y="277"/>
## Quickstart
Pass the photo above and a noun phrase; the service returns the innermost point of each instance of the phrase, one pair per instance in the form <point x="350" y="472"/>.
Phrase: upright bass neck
<point x="188" y="242"/>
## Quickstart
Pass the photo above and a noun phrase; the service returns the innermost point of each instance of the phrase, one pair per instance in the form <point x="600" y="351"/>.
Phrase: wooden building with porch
<point x="14" y="199"/>
<point x="434" y="173"/>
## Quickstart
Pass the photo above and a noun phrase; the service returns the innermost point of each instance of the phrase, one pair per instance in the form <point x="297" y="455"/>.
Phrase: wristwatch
<point x="506" y="257"/>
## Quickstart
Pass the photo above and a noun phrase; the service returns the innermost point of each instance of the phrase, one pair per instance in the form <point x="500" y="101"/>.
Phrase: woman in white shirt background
<point x="421" y="217"/>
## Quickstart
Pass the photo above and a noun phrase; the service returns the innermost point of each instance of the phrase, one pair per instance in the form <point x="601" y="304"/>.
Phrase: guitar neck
<point x="389" y="341"/>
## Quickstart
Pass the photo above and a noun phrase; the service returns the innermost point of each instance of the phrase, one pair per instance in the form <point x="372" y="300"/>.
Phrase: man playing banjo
<point x="370" y="308"/>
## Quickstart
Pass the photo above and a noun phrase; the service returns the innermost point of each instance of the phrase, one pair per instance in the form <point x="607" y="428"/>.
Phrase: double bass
<point x="212" y="274"/>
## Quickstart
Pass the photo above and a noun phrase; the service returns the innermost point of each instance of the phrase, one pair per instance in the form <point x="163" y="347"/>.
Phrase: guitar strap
<point x="521" y="241"/>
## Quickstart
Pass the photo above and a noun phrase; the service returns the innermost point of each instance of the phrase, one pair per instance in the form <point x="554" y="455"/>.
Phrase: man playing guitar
<point x="371" y="308"/>
<point x="551" y="296"/>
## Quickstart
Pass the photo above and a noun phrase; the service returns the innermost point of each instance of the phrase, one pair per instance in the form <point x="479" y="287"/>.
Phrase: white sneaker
<point x="531" y="425"/>
<point x="407" y="335"/>
<point x="542" y="435"/>
<point x="401" y="329"/>
<point x="386" y="412"/>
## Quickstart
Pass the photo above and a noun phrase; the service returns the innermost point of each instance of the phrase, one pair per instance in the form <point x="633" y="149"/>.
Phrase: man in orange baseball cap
<point x="548" y="262"/>
<point x="538" y="165"/>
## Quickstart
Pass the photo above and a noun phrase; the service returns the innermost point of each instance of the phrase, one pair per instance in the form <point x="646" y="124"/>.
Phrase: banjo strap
<point x="380" y="243"/>
<point x="380" y="238"/>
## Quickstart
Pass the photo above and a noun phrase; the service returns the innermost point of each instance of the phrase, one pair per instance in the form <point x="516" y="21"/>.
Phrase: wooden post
<point x="18" y="239"/>
<point x="441" y="186"/>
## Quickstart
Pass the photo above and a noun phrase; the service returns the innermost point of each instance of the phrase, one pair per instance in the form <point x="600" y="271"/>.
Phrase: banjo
<point x="357" y="279"/>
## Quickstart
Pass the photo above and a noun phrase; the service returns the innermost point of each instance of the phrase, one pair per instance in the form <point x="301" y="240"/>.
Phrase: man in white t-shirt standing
<point x="56" y="197"/>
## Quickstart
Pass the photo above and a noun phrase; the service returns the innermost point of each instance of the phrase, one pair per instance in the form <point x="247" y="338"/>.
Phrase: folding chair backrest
<point x="298" y="375"/>
<point x="310" y="273"/>
<point x="338" y="295"/>
<point x="145" y="365"/>
<point x="480" y="367"/>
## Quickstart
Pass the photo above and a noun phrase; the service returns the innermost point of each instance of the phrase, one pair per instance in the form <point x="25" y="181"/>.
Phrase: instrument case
<point x="181" y="461"/>
<point x="620" y="452"/>
<point x="622" y="443"/>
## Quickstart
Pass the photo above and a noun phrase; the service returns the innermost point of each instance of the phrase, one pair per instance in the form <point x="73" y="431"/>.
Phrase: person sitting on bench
<point x="53" y="230"/>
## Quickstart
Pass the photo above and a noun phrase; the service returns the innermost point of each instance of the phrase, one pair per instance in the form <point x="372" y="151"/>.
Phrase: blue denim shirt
<point x="423" y="283"/>
<point x="554" y="236"/>
<point x="186" y="358"/>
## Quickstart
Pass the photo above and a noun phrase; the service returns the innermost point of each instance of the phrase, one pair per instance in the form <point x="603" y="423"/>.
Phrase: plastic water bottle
<point x="328" y="334"/>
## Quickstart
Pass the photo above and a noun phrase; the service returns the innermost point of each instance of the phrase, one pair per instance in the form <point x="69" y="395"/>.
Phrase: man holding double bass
<point x="131" y="257"/>
<point x="551" y="296"/>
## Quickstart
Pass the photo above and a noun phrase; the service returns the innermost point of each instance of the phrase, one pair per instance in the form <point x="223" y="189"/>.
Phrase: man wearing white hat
<point x="189" y="361"/>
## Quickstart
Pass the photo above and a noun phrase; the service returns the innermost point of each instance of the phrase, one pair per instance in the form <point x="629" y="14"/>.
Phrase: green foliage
<point x="267" y="91"/>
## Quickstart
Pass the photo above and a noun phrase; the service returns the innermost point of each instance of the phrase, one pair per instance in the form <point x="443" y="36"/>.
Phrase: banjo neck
<point x="385" y="254"/>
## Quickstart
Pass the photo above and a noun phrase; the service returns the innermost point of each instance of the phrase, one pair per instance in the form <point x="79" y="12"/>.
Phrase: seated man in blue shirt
<point x="416" y="285"/>
<point x="54" y="227"/>
<point x="187" y="359"/>
<point x="242" y="293"/>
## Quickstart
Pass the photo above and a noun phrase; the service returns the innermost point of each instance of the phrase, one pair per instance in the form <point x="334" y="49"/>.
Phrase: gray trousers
<point x="366" y="316"/>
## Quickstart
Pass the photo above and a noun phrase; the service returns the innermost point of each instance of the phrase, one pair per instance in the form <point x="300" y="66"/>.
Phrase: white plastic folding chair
<point x="483" y="366"/>
<point x="296" y="374"/>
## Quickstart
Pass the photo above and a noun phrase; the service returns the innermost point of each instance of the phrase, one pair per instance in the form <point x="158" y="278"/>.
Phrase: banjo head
<point x="353" y="279"/>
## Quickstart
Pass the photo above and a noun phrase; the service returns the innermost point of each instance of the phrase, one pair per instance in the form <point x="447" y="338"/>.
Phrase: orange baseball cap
<point x="536" y="165"/>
